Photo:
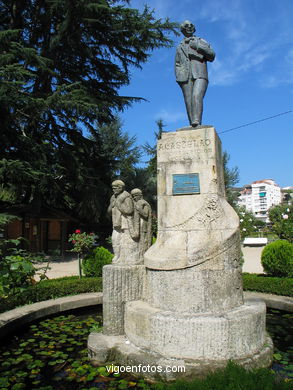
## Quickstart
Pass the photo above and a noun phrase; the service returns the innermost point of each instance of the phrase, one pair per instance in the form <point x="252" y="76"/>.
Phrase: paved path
<point x="252" y="263"/>
<point x="58" y="269"/>
<point x="69" y="267"/>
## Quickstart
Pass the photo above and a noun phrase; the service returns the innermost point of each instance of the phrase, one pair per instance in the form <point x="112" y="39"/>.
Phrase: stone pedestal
<point x="121" y="284"/>
<point x="196" y="225"/>
<point x="189" y="309"/>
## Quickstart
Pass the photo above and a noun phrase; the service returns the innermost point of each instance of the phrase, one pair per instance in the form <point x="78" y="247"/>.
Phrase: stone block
<point x="143" y="363"/>
<point x="121" y="283"/>
<point x="192" y="291"/>
<point x="232" y="334"/>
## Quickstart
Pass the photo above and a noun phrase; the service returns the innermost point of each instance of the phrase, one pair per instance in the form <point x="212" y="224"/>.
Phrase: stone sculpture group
<point x="132" y="224"/>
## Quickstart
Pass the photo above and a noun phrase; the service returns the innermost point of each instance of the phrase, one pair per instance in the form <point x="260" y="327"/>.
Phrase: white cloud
<point x="289" y="57"/>
<point x="254" y="59"/>
<point x="283" y="74"/>
<point x="170" y="116"/>
<point x="215" y="10"/>
<point x="253" y="38"/>
<point x="221" y="74"/>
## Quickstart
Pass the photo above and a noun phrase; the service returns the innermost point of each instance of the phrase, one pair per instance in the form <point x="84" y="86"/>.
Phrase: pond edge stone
<point x="13" y="319"/>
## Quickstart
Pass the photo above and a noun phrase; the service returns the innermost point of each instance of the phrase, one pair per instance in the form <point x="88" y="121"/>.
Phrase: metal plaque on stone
<point x="186" y="184"/>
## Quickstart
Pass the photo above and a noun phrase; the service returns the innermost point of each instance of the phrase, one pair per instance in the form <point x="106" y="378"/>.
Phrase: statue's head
<point x="118" y="186"/>
<point x="136" y="194"/>
<point x="187" y="28"/>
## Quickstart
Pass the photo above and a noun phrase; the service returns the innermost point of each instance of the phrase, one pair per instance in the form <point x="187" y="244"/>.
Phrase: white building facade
<point x="259" y="196"/>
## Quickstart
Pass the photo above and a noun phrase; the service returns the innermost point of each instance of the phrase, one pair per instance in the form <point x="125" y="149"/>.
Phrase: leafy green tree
<point x="16" y="268"/>
<point x="151" y="167"/>
<point x="281" y="219"/>
<point x="152" y="150"/>
<point x="248" y="222"/>
<point x="65" y="61"/>
<point x="118" y="149"/>
<point x="62" y="64"/>
<point x="231" y="178"/>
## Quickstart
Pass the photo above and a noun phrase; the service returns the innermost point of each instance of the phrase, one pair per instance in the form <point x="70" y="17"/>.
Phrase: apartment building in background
<point x="259" y="196"/>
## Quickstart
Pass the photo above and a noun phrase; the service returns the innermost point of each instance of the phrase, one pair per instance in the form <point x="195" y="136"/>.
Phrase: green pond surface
<point x="280" y="327"/>
<point x="52" y="354"/>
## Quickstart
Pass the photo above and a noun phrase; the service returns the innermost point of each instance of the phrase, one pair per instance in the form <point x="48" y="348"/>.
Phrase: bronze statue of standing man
<point x="191" y="72"/>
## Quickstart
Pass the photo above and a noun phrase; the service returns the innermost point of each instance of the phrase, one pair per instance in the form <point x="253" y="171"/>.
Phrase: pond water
<point x="52" y="354"/>
<point x="280" y="327"/>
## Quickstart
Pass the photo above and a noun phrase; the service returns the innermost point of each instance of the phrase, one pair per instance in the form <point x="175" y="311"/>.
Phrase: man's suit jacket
<point x="190" y="61"/>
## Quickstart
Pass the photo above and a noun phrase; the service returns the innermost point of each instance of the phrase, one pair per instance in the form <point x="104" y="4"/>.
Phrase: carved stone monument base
<point x="155" y="366"/>
<point x="184" y="306"/>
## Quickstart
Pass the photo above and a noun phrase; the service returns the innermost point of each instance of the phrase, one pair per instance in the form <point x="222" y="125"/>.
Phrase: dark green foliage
<point x="277" y="258"/>
<point x="92" y="264"/>
<point x="49" y="289"/>
<point x="151" y="168"/>
<point x="16" y="273"/>
<point x="16" y="267"/>
<point x="231" y="178"/>
<point x="233" y="377"/>
<point x="152" y="150"/>
<point x="269" y="285"/>
<point x="62" y="64"/>
<point x="119" y="149"/>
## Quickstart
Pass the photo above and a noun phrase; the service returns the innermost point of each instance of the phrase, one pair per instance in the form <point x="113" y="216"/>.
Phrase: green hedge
<point x="49" y="289"/>
<point x="56" y="288"/>
<point x="268" y="284"/>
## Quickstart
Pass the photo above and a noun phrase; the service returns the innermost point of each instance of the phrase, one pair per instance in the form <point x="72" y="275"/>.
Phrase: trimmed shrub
<point x="277" y="258"/>
<point x="93" y="263"/>
<point x="50" y="289"/>
<point x="268" y="284"/>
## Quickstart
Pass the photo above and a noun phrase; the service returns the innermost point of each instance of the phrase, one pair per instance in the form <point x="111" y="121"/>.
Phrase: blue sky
<point x="250" y="79"/>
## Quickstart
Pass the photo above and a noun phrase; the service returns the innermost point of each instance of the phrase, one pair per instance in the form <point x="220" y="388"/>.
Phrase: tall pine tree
<point x="62" y="64"/>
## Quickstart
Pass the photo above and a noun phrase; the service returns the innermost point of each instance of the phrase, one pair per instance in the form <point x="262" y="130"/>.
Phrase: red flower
<point x="77" y="231"/>
<point x="73" y="241"/>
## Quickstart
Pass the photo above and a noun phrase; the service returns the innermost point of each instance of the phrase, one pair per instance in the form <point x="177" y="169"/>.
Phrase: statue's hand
<point x="193" y="43"/>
